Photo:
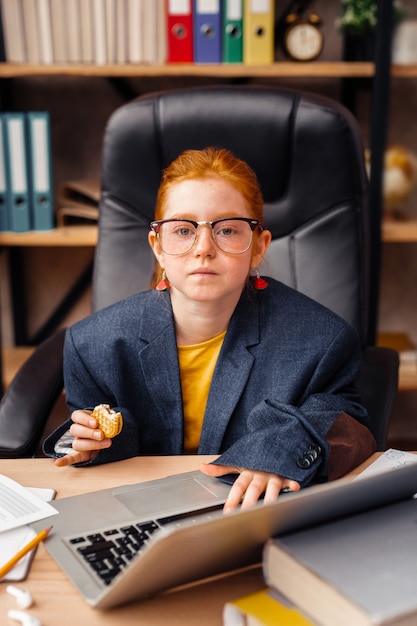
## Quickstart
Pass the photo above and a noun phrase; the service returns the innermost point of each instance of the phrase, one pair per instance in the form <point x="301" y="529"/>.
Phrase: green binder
<point x="232" y="31"/>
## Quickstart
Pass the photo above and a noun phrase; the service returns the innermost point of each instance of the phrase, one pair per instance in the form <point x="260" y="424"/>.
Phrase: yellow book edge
<point x="263" y="608"/>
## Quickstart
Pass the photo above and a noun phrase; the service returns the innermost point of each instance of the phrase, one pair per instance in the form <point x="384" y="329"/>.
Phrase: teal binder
<point x="4" y="220"/>
<point x="39" y="162"/>
<point x="16" y="180"/>
<point x="232" y="31"/>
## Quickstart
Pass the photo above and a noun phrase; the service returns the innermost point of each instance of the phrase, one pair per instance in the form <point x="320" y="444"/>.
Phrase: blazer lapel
<point x="231" y="374"/>
<point x="159" y="362"/>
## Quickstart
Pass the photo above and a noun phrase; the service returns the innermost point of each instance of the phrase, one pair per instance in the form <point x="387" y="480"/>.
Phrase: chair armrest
<point x="378" y="385"/>
<point x="31" y="396"/>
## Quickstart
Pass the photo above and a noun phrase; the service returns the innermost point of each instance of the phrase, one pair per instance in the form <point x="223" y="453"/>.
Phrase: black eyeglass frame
<point x="156" y="225"/>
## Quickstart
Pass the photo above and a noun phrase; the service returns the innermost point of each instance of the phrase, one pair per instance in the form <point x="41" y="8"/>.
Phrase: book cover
<point x="73" y="27"/>
<point x="2" y="43"/>
<point x="121" y="31"/>
<point x="13" y="31"/>
<point x="39" y="169"/>
<point x="207" y="31"/>
<point x="99" y="44"/>
<point x="86" y="31"/>
<point x="17" y="178"/>
<point x="78" y="201"/>
<point x="258" y="32"/>
<point x="111" y="30"/>
<point x="135" y="31"/>
<point x="4" y="220"/>
<point x="45" y="32"/>
<point x="154" y="29"/>
<point x="31" y="31"/>
<point x="359" y="570"/>
<point x="179" y="31"/>
<point x="59" y="31"/>
<point x="263" y="608"/>
<point x="232" y="31"/>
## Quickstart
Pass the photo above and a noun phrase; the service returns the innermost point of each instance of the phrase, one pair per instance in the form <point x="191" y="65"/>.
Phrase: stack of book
<point x="96" y="32"/>
<point x="26" y="191"/>
<point x="355" y="571"/>
<point x="105" y="32"/>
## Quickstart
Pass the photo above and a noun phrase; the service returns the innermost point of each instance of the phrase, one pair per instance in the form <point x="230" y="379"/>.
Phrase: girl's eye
<point x="184" y="232"/>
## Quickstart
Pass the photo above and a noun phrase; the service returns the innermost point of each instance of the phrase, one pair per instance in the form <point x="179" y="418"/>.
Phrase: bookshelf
<point x="393" y="231"/>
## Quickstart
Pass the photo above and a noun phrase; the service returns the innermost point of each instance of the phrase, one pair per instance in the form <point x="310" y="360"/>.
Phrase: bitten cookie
<point x="109" y="421"/>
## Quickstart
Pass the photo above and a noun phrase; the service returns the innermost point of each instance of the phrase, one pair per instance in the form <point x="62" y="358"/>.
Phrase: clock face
<point x="303" y="41"/>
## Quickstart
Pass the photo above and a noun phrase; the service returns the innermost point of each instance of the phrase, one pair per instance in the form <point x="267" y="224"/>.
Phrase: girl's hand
<point x="88" y="440"/>
<point x="250" y="485"/>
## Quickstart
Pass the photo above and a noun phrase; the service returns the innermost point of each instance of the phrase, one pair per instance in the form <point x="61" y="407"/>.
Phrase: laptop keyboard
<point x="109" y="551"/>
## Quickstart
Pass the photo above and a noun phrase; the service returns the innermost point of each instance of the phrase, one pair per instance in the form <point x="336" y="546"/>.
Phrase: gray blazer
<point x="284" y="377"/>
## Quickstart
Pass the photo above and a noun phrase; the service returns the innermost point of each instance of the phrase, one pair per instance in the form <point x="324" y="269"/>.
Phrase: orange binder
<point x="180" y="31"/>
<point x="258" y="32"/>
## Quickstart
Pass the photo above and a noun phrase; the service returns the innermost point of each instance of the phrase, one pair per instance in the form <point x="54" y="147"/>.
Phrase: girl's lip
<point x="202" y="271"/>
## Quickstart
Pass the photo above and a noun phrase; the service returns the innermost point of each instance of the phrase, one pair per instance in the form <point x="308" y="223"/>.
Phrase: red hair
<point x="206" y="163"/>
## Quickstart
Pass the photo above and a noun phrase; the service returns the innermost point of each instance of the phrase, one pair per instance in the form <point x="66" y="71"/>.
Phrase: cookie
<point x="109" y="421"/>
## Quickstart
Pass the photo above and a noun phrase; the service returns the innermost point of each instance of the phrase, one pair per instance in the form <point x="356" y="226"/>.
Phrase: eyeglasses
<point x="232" y="235"/>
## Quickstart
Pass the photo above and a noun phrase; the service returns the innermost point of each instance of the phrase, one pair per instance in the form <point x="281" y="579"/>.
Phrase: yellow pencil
<point x="27" y="548"/>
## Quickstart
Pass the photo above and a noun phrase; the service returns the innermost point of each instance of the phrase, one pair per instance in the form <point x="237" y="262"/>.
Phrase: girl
<point x="215" y="359"/>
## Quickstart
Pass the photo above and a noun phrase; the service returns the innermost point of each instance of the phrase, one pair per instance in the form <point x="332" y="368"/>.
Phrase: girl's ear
<point x="156" y="248"/>
<point x="260" y="247"/>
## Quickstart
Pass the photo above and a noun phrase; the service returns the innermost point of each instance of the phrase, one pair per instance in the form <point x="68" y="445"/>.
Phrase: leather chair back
<point x="308" y="156"/>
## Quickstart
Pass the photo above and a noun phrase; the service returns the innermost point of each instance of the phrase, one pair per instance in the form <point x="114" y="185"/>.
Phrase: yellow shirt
<point x="197" y="363"/>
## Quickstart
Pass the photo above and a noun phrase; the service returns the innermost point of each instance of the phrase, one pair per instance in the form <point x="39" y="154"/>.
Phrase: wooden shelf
<point x="408" y="70"/>
<point x="407" y="379"/>
<point x="281" y="69"/>
<point x="403" y="229"/>
<point x="288" y="69"/>
<point x="12" y="361"/>
<point x="65" y="236"/>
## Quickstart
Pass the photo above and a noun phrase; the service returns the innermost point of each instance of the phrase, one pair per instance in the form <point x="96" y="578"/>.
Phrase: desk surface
<point x="58" y="602"/>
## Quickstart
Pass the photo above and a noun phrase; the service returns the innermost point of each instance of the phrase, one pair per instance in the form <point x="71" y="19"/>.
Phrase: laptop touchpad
<point x="167" y="498"/>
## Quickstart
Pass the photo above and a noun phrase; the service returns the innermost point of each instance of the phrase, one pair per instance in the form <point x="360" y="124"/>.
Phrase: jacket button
<point x="309" y="457"/>
<point x="303" y="462"/>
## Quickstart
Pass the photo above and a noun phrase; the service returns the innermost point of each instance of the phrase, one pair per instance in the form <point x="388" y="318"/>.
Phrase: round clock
<point x="303" y="40"/>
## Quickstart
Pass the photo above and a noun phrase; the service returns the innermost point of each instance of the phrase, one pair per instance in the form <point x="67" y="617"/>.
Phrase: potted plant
<point x="358" y="21"/>
<point x="359" y="17"/>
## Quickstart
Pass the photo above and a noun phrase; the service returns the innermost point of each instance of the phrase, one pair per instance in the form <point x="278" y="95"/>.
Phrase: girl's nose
<point x="204" y="243"/>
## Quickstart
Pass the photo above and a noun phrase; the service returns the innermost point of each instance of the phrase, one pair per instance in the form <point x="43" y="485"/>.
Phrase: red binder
<point x="179" y="31"/>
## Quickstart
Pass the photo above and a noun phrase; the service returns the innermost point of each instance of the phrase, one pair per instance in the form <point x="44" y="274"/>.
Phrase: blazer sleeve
<point x="321" y="438"/>
<point x="82" y="387"/>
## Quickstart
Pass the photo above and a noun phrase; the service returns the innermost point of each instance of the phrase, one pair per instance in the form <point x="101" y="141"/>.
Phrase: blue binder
<point x="40" y="169"/>
<point x="207" y="28"/>
<point x="16" y="180"/>
<point x="4" y="220"/>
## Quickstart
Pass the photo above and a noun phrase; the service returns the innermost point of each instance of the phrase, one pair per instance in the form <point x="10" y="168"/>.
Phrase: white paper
<point x="19" y="506"/>
<point x="391" y="459"/>
<point x="11" y="541"/>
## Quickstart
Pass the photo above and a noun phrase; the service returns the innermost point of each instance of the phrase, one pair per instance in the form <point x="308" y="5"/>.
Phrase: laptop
<point x="127" y="543"/>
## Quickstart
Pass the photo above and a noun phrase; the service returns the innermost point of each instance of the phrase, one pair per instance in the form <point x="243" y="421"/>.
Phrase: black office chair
<point x="308" y="155"/>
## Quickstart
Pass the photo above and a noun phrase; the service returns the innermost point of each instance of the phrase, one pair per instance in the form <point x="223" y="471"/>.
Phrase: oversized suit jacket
<point x="282" y="397"/>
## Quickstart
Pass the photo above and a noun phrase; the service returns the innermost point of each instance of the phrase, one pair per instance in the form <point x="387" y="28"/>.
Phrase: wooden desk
<point x="58" y="602"/>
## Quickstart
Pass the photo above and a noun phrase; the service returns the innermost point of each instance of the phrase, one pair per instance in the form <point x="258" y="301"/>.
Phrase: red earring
<point x="259" y="283"/>
<point x="163" y="284"/>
